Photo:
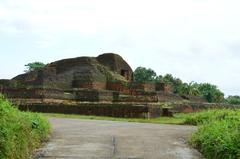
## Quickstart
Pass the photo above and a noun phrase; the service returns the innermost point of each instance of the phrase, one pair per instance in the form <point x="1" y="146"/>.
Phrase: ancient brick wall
<point x="165" y="87"/>
<point x="118" y="86"/>
<point x="135" y="96"/>
<point x="154" y="111"/>
<point x="190" y="107"/>
<point x="166" y="97"/>
<point x="37" y="93"/>
<point x="86" y="95"/>
<point x="22" y="93"/>
<point x="137" y="99"/>
<point x="89" y="84"/>
<point x="197" y="99"/>
<point x="93" y="95"/>
<point x="145" y="86"/>
<point x="105" y="96"/>
<point x="113" y="110"/>
<point x="143" y="93"/>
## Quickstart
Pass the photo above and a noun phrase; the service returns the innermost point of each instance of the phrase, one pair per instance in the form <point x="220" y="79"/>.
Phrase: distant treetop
<point x="34" y="66"/>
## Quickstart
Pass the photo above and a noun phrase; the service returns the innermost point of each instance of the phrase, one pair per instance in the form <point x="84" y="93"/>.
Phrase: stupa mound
<point x="100" y="85"/>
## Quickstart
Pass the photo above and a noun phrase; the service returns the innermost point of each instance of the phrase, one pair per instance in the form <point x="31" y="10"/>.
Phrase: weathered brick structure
<point x="100" y="85"/>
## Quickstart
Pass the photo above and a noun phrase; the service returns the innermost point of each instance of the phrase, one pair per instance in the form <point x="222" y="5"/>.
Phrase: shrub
<point x="233" y="100"/>
<point x="218" y="135"/>
<point x="20" y="132"/>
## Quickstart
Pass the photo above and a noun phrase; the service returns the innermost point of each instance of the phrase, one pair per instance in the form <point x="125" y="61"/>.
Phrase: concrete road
<point x="91" y="139"/>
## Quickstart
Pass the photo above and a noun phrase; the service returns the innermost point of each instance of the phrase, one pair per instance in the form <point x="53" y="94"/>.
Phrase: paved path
<point x="91" y="139"/>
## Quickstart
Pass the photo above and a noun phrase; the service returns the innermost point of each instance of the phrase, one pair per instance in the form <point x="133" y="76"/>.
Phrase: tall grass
<point x="20" y="132"/>
<point x="218" y="136"/>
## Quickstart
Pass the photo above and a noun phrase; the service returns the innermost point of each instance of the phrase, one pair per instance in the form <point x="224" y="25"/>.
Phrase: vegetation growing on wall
<point x="20" y="132"/>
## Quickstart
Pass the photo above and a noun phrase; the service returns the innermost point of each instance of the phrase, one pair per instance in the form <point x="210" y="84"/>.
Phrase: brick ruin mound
<point x="100" y="85"/>
<point x="80" y="72"/>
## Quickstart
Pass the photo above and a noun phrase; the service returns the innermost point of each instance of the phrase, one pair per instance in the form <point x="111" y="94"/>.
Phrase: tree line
<point x="206" y="90"/>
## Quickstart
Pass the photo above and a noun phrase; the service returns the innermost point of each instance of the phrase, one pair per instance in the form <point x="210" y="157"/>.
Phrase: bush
<point x="233" y="100"/>
<point x="218" y="136"/>
<point x="20" y="132"/>
<point x="218" y="140"/>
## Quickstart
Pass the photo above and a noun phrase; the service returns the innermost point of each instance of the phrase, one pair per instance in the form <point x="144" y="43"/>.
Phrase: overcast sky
<point x="195" y="40"/>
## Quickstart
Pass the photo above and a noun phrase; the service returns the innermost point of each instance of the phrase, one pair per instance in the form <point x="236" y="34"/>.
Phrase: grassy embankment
<point x="20" y="132"/>
<point x="218" y="136"/>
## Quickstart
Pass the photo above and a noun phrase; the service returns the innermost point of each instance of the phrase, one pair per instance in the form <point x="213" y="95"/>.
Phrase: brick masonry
<point x="67" y="85"/>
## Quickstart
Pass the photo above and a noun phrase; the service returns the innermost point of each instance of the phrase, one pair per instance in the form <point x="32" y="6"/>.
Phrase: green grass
<point x="177" y="119"/>
<point x="20" y="132"/>
<point x="210" y="115"/>
<point x="218" y="136"/>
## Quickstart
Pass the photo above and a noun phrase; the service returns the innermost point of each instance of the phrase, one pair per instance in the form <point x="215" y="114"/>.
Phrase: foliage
<point x="20" y="132"/>
<point x="211" y="92"/>
<point x="233" y="100"/>
<point x="218" y="135"/>
<point x="175" y="82"/>
<point x="208" y="91"/>
<point x="142" y="74"/>
<point x="34" y="66"/>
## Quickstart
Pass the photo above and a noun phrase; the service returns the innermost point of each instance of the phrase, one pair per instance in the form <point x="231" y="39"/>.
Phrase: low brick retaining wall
<point x="112" y="110"/>
<point x="195" y="107"/>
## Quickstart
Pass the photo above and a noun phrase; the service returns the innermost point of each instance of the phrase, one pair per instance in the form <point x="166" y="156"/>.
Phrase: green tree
<point x="184" y="89"/>
<point x="233" y="99"/>
<point x="34" y="66"/>
<point x="175" y="82"/>
<point x="168" y="78"/>
<point x="194" y="89"/>
<point x="142" y="74"/>
<point x="210" y="92"/>
<point x="159" y="78"/>
<point x="189" y="89"/>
